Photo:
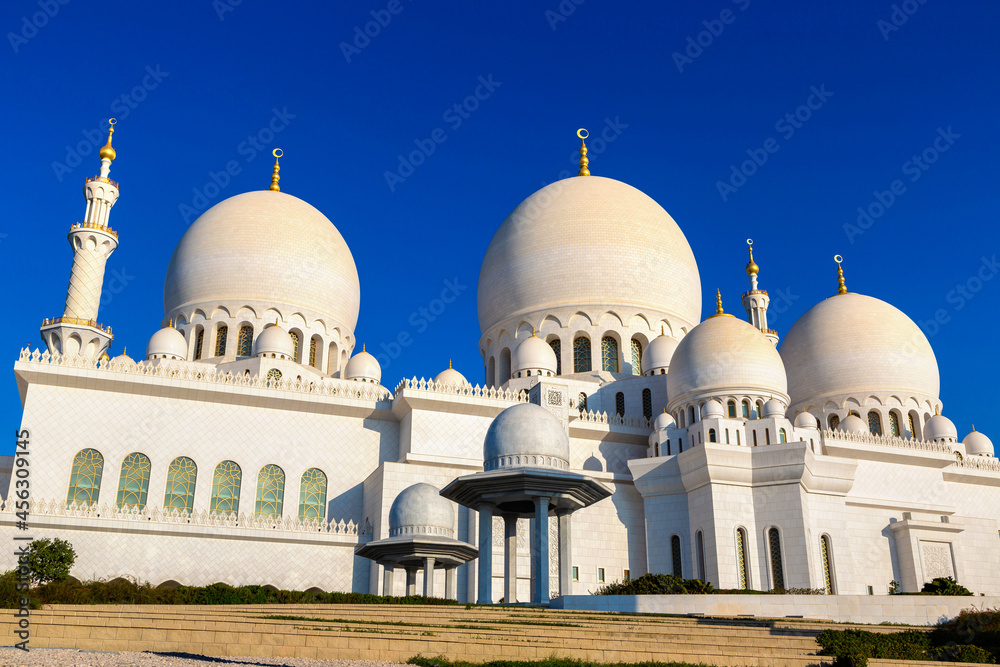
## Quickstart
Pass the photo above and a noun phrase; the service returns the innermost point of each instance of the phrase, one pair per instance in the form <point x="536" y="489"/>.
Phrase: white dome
<point x="773" y="408"/>
<point x="421" y="509"/>
<point x="534" y="354"/>
<point x="853" y="424"/>
<point x="663" y="421"/>
<point x="713" y="409"/>
<point x="363" y="367"/>
<point x="658" y="353"/>
<point x="267" y="248"/>
<point x="167" y="342"/>
<point x="526" y="435"/>
<point x="450" y="377"/>
<point x="805" y="420"/>
<point x="534" y="261"/>
<point x="724" y="355"/>
<point x="855" y="345"/>
<point x="274" y="340"/>
<point x="939" y="427"/>
<point x="977" y="444"/>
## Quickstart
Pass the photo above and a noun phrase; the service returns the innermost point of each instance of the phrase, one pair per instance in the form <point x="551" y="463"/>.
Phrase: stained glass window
<point x="244" y="344"/>
<point x="874" y="422"/>
<point x="581" y="402"/>
<point x="581" y="355"/>
<point x="295" y="345"/>
<point x="220" y="340"/>
<point x="894" y="423"/>
<point x="620" y="404"/>
<point x="636" y="357"/>
<point x="273" y="376"/>
<point x="312" y="352"/>
<point x="312" y="494"/>
<point x="741" y="557"/>
<point x="782" y="435"/>
<point x="675" y="555"/>
<point x="647" y="403"/>
<point x="731" y="407"/>
<point x="834" y="422"/>
<point x="181" y="477"/>
<point x="199" y="341"/>
<point x="913" y="429"/>
<point x="270" y="490"/>
<point x="711" y="435"/>
<point x="226" y="488"/>
<point x="134" y="481"/>
<point x="777" y="569"/>
<point x="609" y="354"/>
<point x="824" y="547"/>
<point x="556" y="346"/>
<point x="746" y="409"/>
<point x="85" y="477"/>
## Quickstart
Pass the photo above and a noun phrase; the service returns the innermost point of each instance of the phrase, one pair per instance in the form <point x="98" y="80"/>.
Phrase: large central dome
<point x="267" y="248"/>
<point x="585" y="242"/>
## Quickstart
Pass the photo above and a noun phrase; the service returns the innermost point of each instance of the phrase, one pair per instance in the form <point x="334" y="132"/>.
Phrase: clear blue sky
<point x="200" y="78"/>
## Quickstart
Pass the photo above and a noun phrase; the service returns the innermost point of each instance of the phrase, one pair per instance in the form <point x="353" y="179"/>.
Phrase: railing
<point x="92" y="225"/>
<point x="888" y="441"/>
<point x="980" y="463"/>
<point x="755" y="291"/>
<point x="102" y="179"/>
<point x="454" y="389"/>
<point x="74" y="320"/>
<point x="615" y="420"/>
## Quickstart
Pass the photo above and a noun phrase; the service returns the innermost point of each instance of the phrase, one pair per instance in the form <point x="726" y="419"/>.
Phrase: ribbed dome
<point x="852" y="344"/>
<point x="534" y="261"/>
<point x="420" y="509"/>
<point x="363" y="367"/>
<point x="853" y="424"/>
<point x="724" y="355"/>
<point x="658" y="353"/>
<point x="939" y="427"/>
<point x="977" y="444"/>
<point x="534" y="354"/>
<point x="268" y="248"/>
<point x="167" y="342"/>
<point x="274" y="340"/>
<point x="526" y="435"/>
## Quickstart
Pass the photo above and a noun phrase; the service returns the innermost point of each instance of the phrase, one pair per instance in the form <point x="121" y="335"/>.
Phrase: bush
<point x="48" y="560"/>
<point x="963" y="653"/>
<point x="944" y="586"/>
<point x="853" y="648"/>
<point x="656" y="584"/>
<point x="978" y="627"/>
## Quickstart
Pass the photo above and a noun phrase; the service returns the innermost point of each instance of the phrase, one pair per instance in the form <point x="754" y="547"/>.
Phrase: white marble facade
<point x="726" y="460"/>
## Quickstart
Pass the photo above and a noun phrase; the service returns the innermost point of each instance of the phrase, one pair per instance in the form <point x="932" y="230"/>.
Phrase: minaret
<point x="77" y="331"/>
<point x="755" y="301"/>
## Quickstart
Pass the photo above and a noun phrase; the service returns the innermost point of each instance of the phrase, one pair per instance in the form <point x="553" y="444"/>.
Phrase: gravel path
<point x="59" y="657"/>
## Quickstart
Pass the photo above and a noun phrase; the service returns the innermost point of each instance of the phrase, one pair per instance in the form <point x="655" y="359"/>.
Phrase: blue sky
<point x="687" y="91"/>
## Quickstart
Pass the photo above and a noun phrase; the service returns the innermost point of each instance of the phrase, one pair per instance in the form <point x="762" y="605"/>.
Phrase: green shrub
<point x="944" y="586"/>
<point x="656" y="584"/>
<point x="978" y="627"/>
<point x="853" y="648"/>
<point x="48" y="560"/>
<point x="963" y="653"/>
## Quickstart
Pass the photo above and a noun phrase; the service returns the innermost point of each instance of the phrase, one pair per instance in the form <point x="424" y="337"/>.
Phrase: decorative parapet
<point x="979" y="463"/>
<point x="887" y="441"/>
<point x="338" y="388"/>
<point x="92" y="225"/>
<point x="72" y="320"/>
<point x="615" y="420"/>
<point x="102" y="513"/>
<point x="102" y="179"/>
<point x="519" y="396"/>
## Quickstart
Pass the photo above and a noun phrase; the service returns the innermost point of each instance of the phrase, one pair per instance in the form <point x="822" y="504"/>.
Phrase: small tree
<point x="945" y="586"/>
<point x="48" y="560"/>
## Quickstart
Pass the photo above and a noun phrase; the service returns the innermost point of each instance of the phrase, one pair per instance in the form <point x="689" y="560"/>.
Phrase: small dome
<point x="773" y="409"/>
<point x="449" y="377"/>
<point x="363" y="367"/>
<point x="526" y="435"/>
<point x="805" y="420"/>
<point x="663" y="422"/>
<point x="938" y="428"/>
<point x="713" y="409"/>
<point x="167" y="342"/>
<point x="274" y="340"/>
<point x="977" y="444"/>
<point x="422" y="510"/>
<point x="534" y="354"/>
<point x="853" y="424"/>
<point x="124" y="359"/>
<point x="658" y="353"/>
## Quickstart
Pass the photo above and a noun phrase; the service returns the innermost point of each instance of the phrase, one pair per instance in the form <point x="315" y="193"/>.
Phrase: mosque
<point x="614" y="433"/>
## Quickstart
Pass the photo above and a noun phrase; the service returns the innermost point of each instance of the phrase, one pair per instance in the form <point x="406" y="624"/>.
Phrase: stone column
<point x="509" y="558"/>
<point x="451" y="582"/>
<point x="411" y="581"/>
<point x="565" y="553"/>
<point x="541" y="562"/>
<point x="387" y="578"/>
<point x="428" y="577"/>
<point x="485" y="554"/>
<point x="532" y="551"/>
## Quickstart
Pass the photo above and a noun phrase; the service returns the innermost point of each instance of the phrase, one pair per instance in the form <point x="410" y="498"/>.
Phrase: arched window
<point x="244" y="343"/>
<point x="777" y="568"/>
<point x="913" y="428"/>
<point x="221" y="334"/>
<point x="556" y="346"/>
<point x="746" y="409"/>
<point x="760" y="409"/>
<point x="636" y="357"/>
<point x="700" y="544"/>
<point x="270" y="491"/>
<point x="620" y="404"/>
<point x="767" y="436"/>
<point x="133" y="483"/>
<point x="273" y="377"/>
<point x="727" y="436"/>
<point x="581" y="402"/>
<point x="85" y="477"/>
<point x="609" y="354"/>
<point x="296" y="343"/>
<point x="504" y="366"/>
<point x="581" y="354"/>
<point x="181" y="477"/>
<point x="741" y="557"/>
<point x="312" y="351"/>
<point x="647" y="403"/>
<point x="834" y="422"/>
<point x="782" y="435"/>
<point x="874" y="422"/>
<point x="711" y="435"/>
<point x="754" y="438"/>
<point x="312" y="494"/>
<point x="675" y="556"/>
<point x="226" y="488"/>
<point x="731" y="406"/>
<point x="691" y="418"/>
<point x="738" y="437"/>
<point x="824" y="552"/>
<point x="199" y="341"/>
<point x="491" y="372"/>
<point x="680" y="419"/>
<point x="680" y="445"/>
<point x="894" y="423"/>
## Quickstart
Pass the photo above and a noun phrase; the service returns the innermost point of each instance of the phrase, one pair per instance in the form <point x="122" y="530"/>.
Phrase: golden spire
<point x="274" y="175"/>
<point x="841" y="287"/>
<point x="108" y="152"/>
<point x="532" y="332"/>
<point x="973" y="428"/>
<point x="362" y="347"/>
<point x="583" y="134"/>
<point x="663" y="332"/>
<point x="718" y="306"/>
<point x="752" y="267"/>
<point x="449" y="364"/>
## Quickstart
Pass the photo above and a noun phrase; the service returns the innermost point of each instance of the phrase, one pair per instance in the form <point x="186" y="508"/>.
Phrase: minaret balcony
<point x="93" y="225"/>
<point x="755" y="291"/>
<point x="102" y="179"/>
<point x="93" y="324"/>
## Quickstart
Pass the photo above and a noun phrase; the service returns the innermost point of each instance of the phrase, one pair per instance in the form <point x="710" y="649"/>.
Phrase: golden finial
<point x="449" y="364"/>
<point x="752" y="267"/>
<point x="108" y="152"/>
<point x="125" y="351"/>
<point x="663" y="332"/>
<point x="362" y="347"/>
<point x="973" y="428"/>
<point x="583" y="134"/>
<point x="841" y="287"/>
<point x="718" y="306"/>
<point x="532" y="332"/>
<point x="274" y="175"/>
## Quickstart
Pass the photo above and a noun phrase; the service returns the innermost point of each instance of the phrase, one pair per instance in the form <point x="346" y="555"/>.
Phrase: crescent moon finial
<point x="584" y="162"/>
<point x="277" y="152"/>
